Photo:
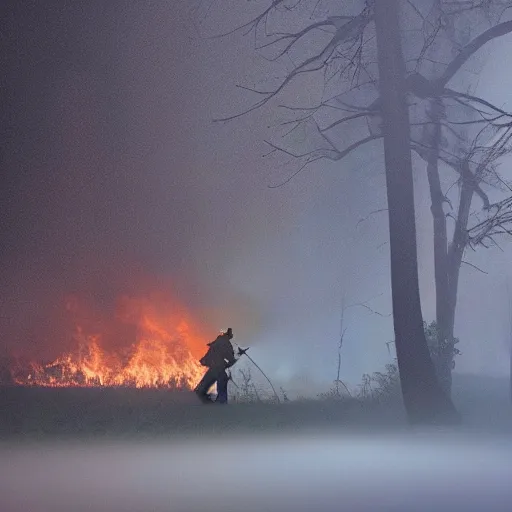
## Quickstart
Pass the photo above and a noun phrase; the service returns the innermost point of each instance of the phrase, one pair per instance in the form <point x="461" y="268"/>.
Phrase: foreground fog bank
<point x="407" y="471"/>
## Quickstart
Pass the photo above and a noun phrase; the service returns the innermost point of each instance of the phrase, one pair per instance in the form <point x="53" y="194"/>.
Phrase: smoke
<point x="112" y="170"/>
<point x="95" y="169"/>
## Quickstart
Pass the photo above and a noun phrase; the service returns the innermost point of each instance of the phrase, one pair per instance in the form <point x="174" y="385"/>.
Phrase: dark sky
<point x="113" y="173"/>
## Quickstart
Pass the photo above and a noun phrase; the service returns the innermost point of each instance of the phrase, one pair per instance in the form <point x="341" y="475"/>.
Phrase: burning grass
<point x="150" y="363"/>
<point x="160" y="350"/>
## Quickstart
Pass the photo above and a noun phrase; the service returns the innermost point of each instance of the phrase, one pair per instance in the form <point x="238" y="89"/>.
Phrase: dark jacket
<point x="220" y="354"/>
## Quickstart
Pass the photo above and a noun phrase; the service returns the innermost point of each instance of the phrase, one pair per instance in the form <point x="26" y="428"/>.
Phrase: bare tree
<point x="475" y="167"/>
<point x="456" y="131"/>
<point x="341" y="48"/>
<point x="461" y="132"/>
<point x="423" y="398"/>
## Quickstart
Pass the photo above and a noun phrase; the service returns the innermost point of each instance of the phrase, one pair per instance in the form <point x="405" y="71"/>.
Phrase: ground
<point x="56" y="413"/>
<point x="127" y="450"/>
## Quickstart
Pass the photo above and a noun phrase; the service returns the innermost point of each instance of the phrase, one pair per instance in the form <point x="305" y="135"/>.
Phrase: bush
<point x="375" y="387"/>
<point x="431" y="333"/>
<point x="379" y="386"/>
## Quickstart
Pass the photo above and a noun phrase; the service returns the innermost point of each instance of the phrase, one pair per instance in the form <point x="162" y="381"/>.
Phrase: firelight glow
<point x="163" y="353"/>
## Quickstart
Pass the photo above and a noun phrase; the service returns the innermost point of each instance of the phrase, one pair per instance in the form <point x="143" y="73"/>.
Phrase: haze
<point x="112" y="169"/>
<point x="421" y="472"/>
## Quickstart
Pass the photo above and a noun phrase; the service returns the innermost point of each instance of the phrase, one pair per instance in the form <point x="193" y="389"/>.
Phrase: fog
<point x="354" y="472"/>
<point x="115" y="181"/>
<point x="112" y="169"/>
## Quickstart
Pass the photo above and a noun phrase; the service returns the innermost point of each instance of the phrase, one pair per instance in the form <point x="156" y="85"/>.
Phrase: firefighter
<point x="219" y="357"/>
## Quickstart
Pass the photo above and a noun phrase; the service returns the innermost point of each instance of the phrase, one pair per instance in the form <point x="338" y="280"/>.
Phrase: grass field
<point x="35" y="412"/>
<point x="27" y="413"/>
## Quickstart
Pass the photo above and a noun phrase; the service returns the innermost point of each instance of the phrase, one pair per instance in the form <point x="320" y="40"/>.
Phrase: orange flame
<point x="163" y="352"/>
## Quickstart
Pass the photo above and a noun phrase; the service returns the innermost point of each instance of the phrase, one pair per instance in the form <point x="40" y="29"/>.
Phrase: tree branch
<point x="296" y="36"/>
<point x="474" y="266"/>
<point x="287" y="180"/>
<point x="455" y="94"/>
<point x="370" y="214"/>
<point x="348" y="118"/>
<point x="253" y="23"/>
<point x="319" y="154"/>
<point x="494" y="32"/>
<point x="368" y="308"/>
<point x="344" y="32"/>
<point x="497" y="223"/>
<point x="330" y="154"/>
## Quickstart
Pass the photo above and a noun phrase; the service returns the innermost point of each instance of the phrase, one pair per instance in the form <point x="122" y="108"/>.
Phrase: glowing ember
<point x="163" y="353"/>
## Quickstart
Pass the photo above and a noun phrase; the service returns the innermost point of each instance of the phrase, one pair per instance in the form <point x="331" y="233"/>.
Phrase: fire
<point x="162" y="353"/>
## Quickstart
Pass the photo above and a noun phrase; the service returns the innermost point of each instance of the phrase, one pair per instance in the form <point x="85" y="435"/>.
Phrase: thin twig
<point x="474" y="266"/>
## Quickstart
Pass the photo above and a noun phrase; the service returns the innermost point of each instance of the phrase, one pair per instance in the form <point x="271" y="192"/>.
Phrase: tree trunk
<point x="424" y="400"/>
<point x="447" y="260"/>
<point x="455" y="254"/>
<point x="441" y="270"/>
<point x="509" y="293"/>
